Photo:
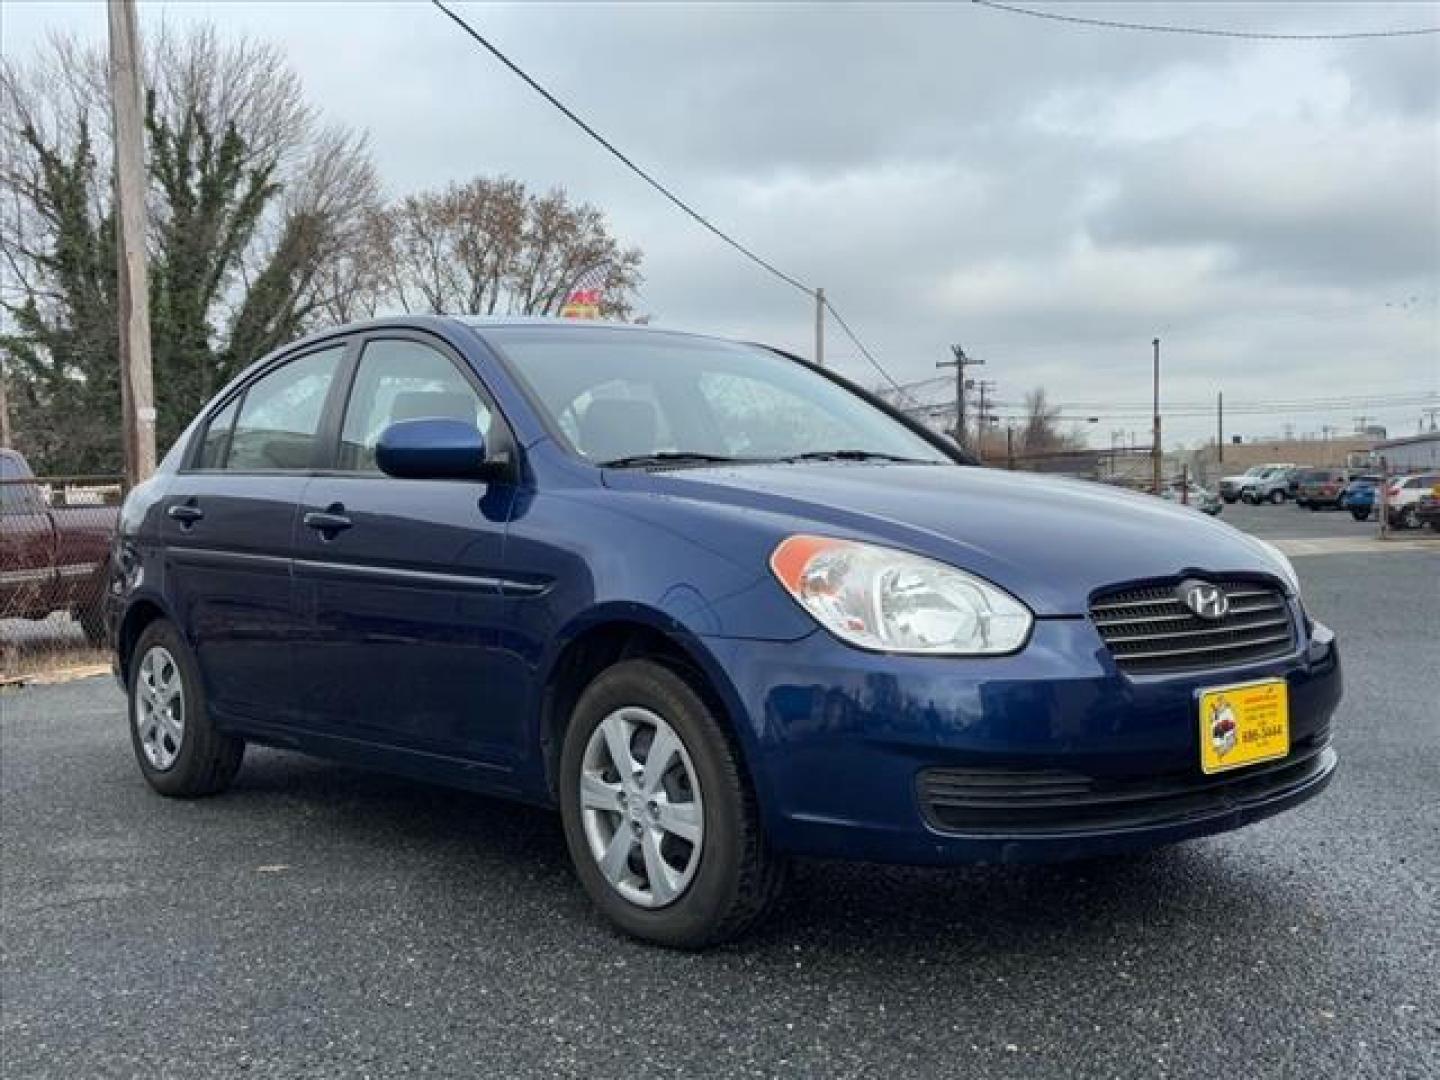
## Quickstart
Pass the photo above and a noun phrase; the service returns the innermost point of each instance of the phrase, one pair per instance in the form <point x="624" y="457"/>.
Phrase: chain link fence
<point x="55" y="537"/>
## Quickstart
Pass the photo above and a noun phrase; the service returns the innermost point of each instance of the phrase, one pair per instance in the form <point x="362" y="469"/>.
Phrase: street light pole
<point x="1155" y="447"/>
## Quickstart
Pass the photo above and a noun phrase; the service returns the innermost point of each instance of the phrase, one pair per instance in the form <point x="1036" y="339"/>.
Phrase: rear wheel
<point x="1277" y="497"/>
<point x="1410" y="518"/>
<point x="178" y="748"/>
<point x="661" y="824"/>
<point x="92" y="621"/>
<point x="1359" y="515"/>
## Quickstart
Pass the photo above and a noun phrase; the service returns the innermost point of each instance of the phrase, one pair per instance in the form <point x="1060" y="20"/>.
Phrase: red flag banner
<point x="584" y="299"/>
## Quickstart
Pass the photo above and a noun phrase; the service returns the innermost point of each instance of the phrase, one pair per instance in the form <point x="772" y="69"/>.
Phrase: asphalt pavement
<point x="320" y="921"/>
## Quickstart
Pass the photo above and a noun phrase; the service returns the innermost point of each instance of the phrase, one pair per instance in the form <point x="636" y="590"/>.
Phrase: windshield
<point x="619" y="396"/>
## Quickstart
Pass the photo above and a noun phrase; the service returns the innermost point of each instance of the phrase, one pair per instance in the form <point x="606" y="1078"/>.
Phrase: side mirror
<point x="433" y="449"/>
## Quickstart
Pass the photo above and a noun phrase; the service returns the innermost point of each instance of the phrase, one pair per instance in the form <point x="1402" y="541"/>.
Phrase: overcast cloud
<point x="1049" y="195"/>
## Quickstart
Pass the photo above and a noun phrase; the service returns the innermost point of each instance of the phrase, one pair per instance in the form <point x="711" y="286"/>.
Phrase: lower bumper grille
<point x="1150" y="629"/>
<point x="991" y="801"/>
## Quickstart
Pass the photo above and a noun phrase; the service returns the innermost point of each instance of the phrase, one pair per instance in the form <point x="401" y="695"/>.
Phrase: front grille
<point x="1150" y="630"/>
<point x="992" y="801"/>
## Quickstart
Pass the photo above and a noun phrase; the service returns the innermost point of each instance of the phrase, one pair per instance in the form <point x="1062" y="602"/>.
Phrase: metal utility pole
<point x="1155" y="447"/>
<point x="137" y="388"/>
<point x="960" y="362"/>
<point x="1220" y="427"/>
<point x="820" y="327"/>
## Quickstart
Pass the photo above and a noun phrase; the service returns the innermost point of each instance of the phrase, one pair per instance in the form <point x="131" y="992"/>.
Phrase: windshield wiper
<point x="667" y="457"/>
<point x="856" y="455"/>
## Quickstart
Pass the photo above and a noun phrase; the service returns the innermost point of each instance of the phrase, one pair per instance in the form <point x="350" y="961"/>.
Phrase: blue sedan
<point x="718" y="606"/>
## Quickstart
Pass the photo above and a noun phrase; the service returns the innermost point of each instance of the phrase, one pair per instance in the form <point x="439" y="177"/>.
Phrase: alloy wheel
<point x="641" y="807"/>
<point x="160" y="707"/>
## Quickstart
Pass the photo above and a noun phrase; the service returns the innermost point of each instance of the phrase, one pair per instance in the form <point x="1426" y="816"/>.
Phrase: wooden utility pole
<point x="820" y="327"/>
<point x="1220" y="426"/>
<point x="137" y="385"/>
<point x="960" y="362"/>
<point x="1155" y="451"/>
<point x="4" y="408"/>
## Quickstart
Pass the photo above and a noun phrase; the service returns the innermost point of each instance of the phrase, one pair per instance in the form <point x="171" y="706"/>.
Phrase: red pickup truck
<point x="52" y="557"/>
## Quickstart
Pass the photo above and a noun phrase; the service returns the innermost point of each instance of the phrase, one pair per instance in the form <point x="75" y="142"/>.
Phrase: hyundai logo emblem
<point x="1205" y="600"/>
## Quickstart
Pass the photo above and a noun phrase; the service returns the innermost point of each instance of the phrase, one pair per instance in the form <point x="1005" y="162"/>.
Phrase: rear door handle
<point x="327" y="522"/>
<point x="186" y="514"/>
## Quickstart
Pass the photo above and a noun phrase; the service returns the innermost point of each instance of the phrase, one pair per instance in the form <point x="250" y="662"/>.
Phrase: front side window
<point x="619" y="394"/>
<point x="279" y="417"/>
<point x="403" y="380"/>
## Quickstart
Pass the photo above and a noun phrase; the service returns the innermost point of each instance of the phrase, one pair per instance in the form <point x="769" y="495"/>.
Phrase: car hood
<point x="1051" y="542"/>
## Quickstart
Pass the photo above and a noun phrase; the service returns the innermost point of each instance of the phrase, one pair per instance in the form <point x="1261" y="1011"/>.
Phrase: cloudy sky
<point x="1051" y="196"/>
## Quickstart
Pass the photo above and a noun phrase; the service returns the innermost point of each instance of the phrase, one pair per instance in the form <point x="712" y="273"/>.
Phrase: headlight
<point x="1287" y="568"/>
<point x="892" y="601"/>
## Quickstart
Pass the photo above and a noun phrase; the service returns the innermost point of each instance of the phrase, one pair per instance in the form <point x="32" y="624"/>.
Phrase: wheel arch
<point x="614" y="633"/>
<point x="138" y="615"/>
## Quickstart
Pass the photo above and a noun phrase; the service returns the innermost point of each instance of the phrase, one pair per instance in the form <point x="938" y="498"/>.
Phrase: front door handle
<point x="186" y="514"/>
<point x="327" y="522"/>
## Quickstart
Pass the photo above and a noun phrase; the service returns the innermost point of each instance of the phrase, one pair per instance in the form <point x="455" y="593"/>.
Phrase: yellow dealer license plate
<point x="1244" y="724"/>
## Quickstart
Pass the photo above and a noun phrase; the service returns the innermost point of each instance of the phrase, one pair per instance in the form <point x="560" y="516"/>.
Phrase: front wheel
<point x="1410" y="518"/>
<point x="661" y="824"/>
<point x="180" y="751"/>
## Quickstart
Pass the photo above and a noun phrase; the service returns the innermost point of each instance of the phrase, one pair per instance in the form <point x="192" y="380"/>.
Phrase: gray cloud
<point x="1052" y="196"/>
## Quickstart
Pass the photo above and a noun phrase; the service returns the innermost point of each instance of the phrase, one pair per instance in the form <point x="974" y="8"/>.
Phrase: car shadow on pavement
<point x="889" y="914"/>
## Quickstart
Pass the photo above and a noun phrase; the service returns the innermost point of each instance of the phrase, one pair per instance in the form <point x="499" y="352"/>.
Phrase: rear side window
<point x="19" y="494"/>
<point x="216" y="443"/>
<point x="279" y="417"/>
<point x="404" y="380"/>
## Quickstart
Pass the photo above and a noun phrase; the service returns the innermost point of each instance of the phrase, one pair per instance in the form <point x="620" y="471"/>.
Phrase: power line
<point x="699" y="218"/>
<point x="1248" y="35"/>
<point x="608" y="145"/>
<point x="866" y="353"/>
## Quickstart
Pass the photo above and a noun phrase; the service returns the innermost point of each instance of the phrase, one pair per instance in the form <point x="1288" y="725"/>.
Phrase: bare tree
<point x="252" y="204"/>
<point x="487" y="247"/>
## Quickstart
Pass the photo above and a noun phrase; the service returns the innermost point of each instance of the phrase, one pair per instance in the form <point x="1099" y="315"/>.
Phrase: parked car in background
<point x="717" y="605"/>
<point x="1207" y="502"/>
<point x="1428" y="509"/>
<point x="1402" y="499"/>
<point x="1359" y="495"/>
<point x="1272" y="485"/>
<point x="52" y="558"/>
<point x="1230" y="487"/>
<point x="1320" y="489"/>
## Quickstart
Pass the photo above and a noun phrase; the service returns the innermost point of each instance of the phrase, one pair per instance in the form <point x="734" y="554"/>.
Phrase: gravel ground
<point x="318" y="921"/>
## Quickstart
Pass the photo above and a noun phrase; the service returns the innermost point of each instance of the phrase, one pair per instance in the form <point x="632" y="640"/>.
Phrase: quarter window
<point x="403" y="380"/>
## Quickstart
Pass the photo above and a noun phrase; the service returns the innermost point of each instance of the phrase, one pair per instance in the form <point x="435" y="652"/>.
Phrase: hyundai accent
<point x="719" y="606"/>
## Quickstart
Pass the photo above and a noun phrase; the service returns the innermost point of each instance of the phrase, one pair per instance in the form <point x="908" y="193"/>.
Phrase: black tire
<point x="1277" y="497"/>
<point x="1410" y="518"/>
<point x="1359" y="515"/>
<point x="208" y="759"/>
<point x="92" y="621"/>
<point x="738" y="877"/>
<point x="1228" y="498"/>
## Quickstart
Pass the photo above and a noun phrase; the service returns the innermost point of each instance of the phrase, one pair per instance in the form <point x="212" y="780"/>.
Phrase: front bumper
<point x="843" y="746"/>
